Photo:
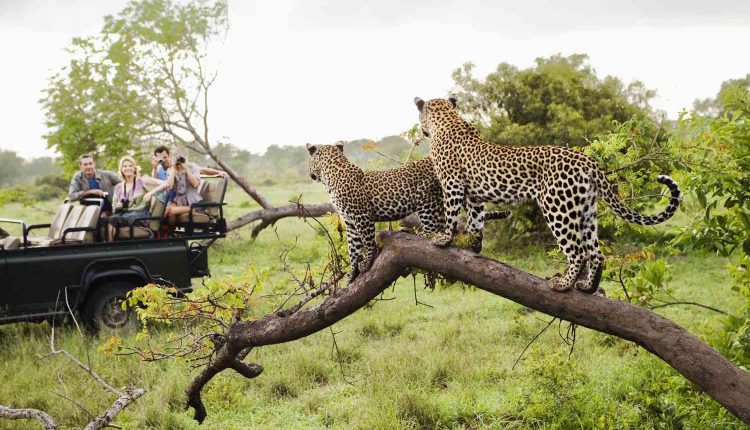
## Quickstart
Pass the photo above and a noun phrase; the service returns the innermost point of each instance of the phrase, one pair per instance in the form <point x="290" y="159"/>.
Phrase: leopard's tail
<point x="490" y="215"/>
<point x="609" y="195"/>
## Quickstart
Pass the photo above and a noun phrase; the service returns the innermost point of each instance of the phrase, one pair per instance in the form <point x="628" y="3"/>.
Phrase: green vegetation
<point x="400" y="365"/>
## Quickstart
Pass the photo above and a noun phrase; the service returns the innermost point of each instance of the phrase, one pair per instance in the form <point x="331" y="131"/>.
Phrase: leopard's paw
<point x="558" y="283"/>
<point x="442" y="240"/>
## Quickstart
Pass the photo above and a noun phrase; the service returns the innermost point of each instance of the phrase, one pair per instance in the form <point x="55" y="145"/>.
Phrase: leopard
<point x="363" y="198"/>
<point x="563" y="182"/>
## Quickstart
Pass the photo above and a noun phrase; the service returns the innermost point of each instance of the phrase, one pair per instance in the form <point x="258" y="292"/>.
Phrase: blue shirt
<point x="167" y="195"/>
<point x="94" y="184"/>
<point x="161" y="172"/>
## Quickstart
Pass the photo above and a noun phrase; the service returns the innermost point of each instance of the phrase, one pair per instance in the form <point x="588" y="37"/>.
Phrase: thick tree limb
<point x="270" y="215"/>
<point x="29" y="414"/>
<point x="699" y="363"/>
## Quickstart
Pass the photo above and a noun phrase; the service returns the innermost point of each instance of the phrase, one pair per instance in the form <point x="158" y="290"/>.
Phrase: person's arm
<point x="212" y="171"/>
<point x="151" y="182"/>
<point x="191" y="177"/>
<point x="154" y="167"/>
<point x="74" y="191"/>
<point x="114" y="178"/>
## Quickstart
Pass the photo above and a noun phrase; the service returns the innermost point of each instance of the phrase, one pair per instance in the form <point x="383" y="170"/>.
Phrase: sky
<point x="297" y="71"/>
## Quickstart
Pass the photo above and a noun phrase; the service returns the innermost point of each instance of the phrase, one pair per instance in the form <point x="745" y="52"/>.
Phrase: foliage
<point x="722" y="190"/>
<point x="558" y="101"/>
<point x="722" y="185"/>
<point x="201" y="314"/>
<point x="714" y="107"/>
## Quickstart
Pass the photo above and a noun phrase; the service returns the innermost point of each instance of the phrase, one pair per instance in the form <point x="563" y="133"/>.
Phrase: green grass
<point x="401" y="365"/>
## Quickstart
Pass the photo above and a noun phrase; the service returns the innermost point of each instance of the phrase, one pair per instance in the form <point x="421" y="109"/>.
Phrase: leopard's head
<point x="322" y="157"/>
<point x="434" y="111"/>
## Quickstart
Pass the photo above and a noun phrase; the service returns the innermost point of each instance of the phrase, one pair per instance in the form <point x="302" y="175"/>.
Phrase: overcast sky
<point x="296" y="71"/>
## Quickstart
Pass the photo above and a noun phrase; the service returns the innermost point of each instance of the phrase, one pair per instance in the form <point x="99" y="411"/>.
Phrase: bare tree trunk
<point x="699" y="363"/>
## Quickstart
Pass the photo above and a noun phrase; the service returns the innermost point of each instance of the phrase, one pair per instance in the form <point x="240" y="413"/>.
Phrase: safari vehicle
<point x="72" y="266"/>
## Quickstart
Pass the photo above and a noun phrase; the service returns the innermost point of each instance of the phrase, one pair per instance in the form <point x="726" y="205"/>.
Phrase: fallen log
<point x="702" y="365"/>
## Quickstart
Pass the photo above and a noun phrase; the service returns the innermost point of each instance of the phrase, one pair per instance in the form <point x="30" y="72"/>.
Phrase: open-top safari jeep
<point x="68" y="263"/>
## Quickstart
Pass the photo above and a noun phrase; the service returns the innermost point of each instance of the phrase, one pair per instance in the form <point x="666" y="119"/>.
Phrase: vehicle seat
<point x="156" y="210"/>
<point x="89" y="218"/>
<point x="55" y="228"/>
<point x="10" y="242"/>
<point x="212" y="189"/>
<point x="71" y="220"/>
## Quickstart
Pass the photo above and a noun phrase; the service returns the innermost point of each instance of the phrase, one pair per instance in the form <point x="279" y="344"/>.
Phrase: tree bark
<point x="699" y="363"/>
<point x="44" y="418"/>
<point x="270" y="215"/>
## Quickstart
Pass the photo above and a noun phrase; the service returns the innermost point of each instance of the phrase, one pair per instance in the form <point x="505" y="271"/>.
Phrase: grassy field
<point x="401" y="365"/>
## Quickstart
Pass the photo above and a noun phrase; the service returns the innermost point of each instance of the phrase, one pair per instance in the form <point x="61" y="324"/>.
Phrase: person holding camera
<point x="130" y="198"/>
<point x="183" y="181"/>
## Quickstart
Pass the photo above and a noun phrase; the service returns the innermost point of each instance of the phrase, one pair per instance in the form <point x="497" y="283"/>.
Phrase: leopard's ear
<point x="340" y="146"/>
<point x="311" y="148"/>
<point x="419" y="102"/>
<point x="453" y="100"/>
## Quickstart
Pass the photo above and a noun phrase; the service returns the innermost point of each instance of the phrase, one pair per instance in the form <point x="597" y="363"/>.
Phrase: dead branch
<point x="268" y="216"/>
<point x="125" y="396"/>
<point x="699" y="363"/>
<point x="29" y="414"/>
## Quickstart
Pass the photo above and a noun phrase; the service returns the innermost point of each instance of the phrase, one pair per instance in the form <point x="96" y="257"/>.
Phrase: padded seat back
<point x="157" y="208"/>
<point x="89" y="218"/>
<point x="213" y="189"/>
<point x="71" y="220"/>
<point x="10" y="242"/>
<point x="61" y="215"/>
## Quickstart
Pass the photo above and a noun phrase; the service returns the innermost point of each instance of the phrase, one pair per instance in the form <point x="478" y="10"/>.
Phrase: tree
<point x="11" y="168"/>
<point x="559" y="101"/>
<point x="714" y="107"/>
<point x="144" y="80"/>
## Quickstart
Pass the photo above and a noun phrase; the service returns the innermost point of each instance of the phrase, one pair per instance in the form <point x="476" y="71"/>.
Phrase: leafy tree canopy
<point x="558" y="101"/>
<point x="123" y="85"/>
<point x="714" y="107"/>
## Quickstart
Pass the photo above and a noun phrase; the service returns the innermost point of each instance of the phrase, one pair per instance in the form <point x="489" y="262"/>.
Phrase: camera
<point x="160" y="162"/>
<point x="125" y="204"/>
<point x="180" y="160"/>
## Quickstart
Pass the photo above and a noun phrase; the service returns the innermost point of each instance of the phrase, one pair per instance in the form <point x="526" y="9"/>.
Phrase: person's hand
<point x="118" y="205"/>
<point x="155" y="161"/>
<point x="223" y="173"/>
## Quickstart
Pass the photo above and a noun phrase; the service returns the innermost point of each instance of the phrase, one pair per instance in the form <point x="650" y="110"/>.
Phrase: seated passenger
<point x="131" y="200"/>
<point x="184" y="181"/>
<point x="92" y="182"/>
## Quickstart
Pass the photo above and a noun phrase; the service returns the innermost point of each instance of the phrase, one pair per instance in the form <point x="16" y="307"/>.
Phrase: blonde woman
<point x="130" y="199"/>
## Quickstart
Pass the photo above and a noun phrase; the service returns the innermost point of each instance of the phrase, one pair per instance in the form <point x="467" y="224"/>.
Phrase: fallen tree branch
<point x="699" y="363"/>
<point x="270" y="215"/>
<point x="44" y="418"/>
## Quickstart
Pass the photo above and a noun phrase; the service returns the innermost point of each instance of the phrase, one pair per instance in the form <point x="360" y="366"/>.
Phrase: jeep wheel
<point x="104" y="307"/>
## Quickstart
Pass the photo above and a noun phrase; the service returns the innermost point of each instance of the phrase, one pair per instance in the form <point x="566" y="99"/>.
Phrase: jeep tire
<point x="103" y="309"/>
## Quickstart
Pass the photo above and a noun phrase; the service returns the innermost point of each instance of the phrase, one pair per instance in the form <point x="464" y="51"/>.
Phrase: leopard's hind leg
<point x="590" y="282"/>
<point x="562" y="213"/>
<point x="476" y="215"/>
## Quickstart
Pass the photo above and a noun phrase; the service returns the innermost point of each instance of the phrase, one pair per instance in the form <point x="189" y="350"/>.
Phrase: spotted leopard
<point x="363" y="198"/>
<point x="564" y="183"/>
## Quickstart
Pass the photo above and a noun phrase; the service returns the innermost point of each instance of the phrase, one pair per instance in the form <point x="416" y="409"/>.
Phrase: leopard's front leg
<point x="453" y="199"/>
